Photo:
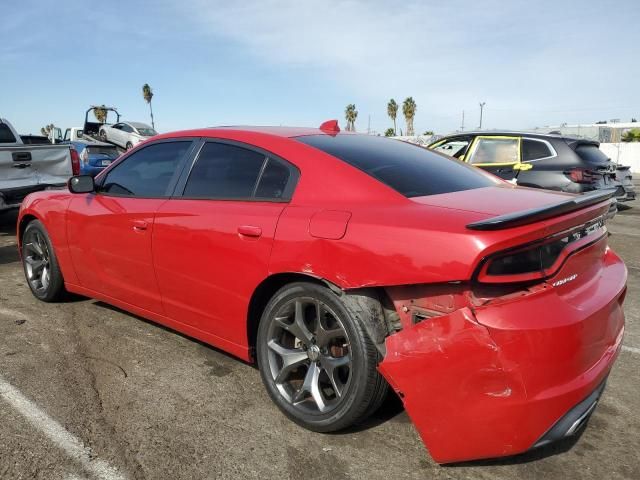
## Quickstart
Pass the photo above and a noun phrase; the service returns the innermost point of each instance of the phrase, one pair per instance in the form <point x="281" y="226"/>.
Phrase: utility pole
<point x="369" y="125"/>
<point x="462" y="126"/>
<point x="482" y="104"/>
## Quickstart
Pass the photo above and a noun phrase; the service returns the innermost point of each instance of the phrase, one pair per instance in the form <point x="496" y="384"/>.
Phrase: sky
<point x="286" y="62"/>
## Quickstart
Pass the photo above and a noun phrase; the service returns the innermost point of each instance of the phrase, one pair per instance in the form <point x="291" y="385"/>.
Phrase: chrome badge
<point x="565" y="280"/>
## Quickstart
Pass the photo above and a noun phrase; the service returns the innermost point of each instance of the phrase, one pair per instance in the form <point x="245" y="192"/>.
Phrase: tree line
<point x="409" y="108"/>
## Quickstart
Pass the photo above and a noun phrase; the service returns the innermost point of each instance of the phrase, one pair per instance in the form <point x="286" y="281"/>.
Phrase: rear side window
<point x="591" y="154"/>
<point x="6" y="135"/>
<point x="224" y="171"/>
<point x="146" y="172"/>
<point x="411" y="170"/>
<point x="534" y="150"/>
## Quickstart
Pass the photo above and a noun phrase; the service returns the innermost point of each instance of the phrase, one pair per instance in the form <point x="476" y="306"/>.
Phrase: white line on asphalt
<point x="55" y="432"/>
<point x="630" y="349"/>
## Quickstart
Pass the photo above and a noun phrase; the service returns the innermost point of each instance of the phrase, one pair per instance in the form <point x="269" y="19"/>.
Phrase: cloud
<point x="447" y="55"/>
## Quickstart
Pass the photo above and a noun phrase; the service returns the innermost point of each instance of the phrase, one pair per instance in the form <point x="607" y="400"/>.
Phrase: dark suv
<point x="554" y="162"/>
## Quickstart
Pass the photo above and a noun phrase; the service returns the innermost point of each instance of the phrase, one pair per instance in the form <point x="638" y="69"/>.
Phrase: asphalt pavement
<point x="91" y="392"/>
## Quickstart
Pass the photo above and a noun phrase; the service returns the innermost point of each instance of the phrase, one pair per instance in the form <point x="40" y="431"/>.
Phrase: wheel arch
<point x="377" y="329"/>
<point x="263" y="293"/>
<point x="25" y="220"/>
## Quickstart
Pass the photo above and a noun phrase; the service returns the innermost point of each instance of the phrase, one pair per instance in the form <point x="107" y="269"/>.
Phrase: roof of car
<point x="279" y="131"/>
<point x="524" y="133"/>
<point x="508" y="133"/>
<point x="138" y="124"/>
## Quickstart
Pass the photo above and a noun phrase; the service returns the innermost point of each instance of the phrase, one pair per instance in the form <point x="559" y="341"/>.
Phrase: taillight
<point x="581" y="175"/>
<point x="75" y="162"/>
<point x="540" y="259"/>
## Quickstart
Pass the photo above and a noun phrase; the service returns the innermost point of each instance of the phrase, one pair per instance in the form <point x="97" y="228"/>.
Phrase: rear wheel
<point x="316" y="360"/>
<point x="40" y="264"/>
<point x="103" y="136"/>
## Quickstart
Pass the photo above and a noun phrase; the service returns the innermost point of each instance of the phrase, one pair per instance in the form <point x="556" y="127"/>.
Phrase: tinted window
<point x="273" y="181"/>
<point x="127" y="128"/>
<point x="591" y="154"/>
<point x="147" y="172"/>
<point x="409" y="169"/>
<point x="6" y="135"/>
<point x="534" y="149"/>
<point x="495" y="150"/>
<point x="224" y="171"/>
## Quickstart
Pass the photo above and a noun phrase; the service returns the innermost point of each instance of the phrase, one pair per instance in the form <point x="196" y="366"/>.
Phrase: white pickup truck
<point x="29" y="168"/>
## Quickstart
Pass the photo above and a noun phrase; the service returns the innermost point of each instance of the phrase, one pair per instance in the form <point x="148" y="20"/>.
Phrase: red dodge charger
<point x="346" y="264"/>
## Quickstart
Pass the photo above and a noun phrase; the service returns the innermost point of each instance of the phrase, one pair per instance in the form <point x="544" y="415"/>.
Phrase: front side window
<point x="146" y="172"/>
<point x="535" y="150"/>
<point x="490" y="150"/>
<point x="224" y="171"/>
<point x="127" y="128"/>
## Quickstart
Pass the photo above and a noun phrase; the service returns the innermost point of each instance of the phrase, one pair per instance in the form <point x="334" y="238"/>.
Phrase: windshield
<point x="146" y="132"/>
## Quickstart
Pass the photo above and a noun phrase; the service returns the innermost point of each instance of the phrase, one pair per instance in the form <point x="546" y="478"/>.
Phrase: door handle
<point x="249" y="231"/>
<point x="21" y="156"/>
<point x="140" y="225"/>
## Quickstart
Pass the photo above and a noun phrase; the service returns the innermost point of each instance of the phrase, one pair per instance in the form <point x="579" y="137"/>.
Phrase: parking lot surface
<point x="90" y="392"/>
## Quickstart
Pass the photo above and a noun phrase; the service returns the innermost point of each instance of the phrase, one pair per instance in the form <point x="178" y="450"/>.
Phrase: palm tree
<point x="409" y="108"/>
<point x="350" y="114"/>
<point x="147" y="94"/>
<point x="392" y="111"/>
<point x="47" y="129"/>
<point x="100" y="113"/>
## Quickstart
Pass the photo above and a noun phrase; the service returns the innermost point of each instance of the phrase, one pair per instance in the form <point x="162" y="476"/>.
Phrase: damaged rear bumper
<point x="496" y="381"/>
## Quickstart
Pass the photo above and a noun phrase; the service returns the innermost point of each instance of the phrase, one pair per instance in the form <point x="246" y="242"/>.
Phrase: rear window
<point x="591" y="154"/>
<point x="409" y="169"/>
<point x="6" y="135"/>
<point x="107" y="151"/>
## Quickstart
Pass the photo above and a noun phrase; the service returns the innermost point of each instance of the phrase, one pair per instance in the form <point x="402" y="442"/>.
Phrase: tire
<point x="129" y="146"/>
<point x="324" y="379"/>
<point x="40" y="264"/>
<point x="103" y="136"/>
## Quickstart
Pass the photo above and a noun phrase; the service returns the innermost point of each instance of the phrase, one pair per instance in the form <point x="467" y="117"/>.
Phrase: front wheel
<point x="316" y="360"/>
<point x="40" y="264"/>
<point x="129" y="146"/>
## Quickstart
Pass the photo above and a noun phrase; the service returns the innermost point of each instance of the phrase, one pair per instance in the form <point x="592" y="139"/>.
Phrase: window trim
<point x="170" y="191"/>
<point x="289" y="190"/>
<point x="553" y="151"/>
<point x="474" y="145"/>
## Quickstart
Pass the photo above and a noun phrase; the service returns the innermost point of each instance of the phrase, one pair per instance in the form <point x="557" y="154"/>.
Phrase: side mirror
<point x="81" y="184"/>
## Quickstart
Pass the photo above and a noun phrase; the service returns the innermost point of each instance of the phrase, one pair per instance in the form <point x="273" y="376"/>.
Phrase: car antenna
<point x="330" y="127"/>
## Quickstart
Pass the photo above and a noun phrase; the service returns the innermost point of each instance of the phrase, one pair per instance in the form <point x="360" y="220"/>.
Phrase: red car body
<point x="484" y="369"/>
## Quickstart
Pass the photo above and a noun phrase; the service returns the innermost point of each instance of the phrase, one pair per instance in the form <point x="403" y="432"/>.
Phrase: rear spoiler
<point x="524" y="217"/>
